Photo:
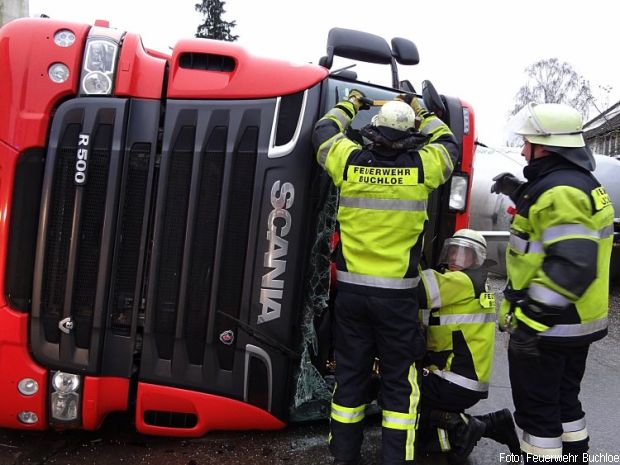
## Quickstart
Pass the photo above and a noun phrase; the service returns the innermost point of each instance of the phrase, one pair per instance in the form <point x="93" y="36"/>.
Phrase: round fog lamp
<point x="65" y="382"/>
<point x="96" y="83"/>
<point x="64" y="38"/>
<point x="28" y="386"/>
<point x="28" y="417"/>
<point x="58" y="72"/>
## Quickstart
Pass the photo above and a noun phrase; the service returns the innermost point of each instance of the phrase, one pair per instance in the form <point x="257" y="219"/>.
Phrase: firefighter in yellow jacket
<point x="558" y="268"/>
<point x="384" y="189"/>
<point x="459" y="314"/>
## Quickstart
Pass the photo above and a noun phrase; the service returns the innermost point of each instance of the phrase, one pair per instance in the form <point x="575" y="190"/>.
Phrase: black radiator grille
<point x="173" y="240"/>
<point x="203" y="252"/>
<point x="59" y="234"/>
<point x="93" y="210"/>
<point x="132" y="217"/>
<point x="236" y="238"/>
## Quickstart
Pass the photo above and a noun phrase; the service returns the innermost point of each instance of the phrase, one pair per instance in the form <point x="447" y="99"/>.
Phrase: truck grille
<point x="154" y="265"/>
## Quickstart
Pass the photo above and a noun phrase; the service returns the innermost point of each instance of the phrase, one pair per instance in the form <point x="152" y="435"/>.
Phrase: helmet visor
<point x="461" y="254"/>
<point x="524" y="123"/>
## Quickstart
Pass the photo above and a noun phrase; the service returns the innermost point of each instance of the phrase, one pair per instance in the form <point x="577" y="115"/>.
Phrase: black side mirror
<point x="404" y="51"/>
<point x="432" y="100"/>
<point x="356" y="45"/>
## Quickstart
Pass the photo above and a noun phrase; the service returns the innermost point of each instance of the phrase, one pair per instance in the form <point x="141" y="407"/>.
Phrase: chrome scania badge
<point x="66" y="325"/>
<point x="227" y="337"/>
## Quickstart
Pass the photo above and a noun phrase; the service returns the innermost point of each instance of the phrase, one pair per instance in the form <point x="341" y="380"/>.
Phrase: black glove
<point x="505" y="183"/>
<point x="358" y="99"/>
<point x="524" y="343"/>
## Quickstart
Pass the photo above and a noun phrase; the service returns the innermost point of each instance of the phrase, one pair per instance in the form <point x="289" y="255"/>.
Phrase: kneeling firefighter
<point x="459" y="313"/>
<point x="382" y="212"/>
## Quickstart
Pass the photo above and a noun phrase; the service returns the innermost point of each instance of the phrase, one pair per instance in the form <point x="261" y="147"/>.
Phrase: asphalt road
<point x="118" y="443"/>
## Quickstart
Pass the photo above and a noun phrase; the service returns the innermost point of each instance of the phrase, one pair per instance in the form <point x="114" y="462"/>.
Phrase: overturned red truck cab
<point x="165" y="229"/>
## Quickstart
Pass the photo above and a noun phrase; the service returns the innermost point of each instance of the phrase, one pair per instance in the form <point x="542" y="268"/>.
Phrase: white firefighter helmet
<point x="395" y="114"/>
<point x="553" y="124"/>
<point x="465" y="249"/>
<point x="558" y="127"/>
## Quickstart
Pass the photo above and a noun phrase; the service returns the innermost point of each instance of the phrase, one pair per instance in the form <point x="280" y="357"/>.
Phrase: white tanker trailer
<point x="489" y="212"/>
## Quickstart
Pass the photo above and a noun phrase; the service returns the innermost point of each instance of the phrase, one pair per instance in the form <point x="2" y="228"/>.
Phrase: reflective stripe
<point x="414" y="401"/>
<point x="546" y="296"/>
<point x="546" y="443"/>
<point x="430" y="125"/>
<point x="444" y="443"/>
<point x="398" y="420"/>
<point x="574" y="425"/>
<point x="521" y="245"/>
<point x="426" y="315"/>
<point x="467" y="383"/>
<point x="446" y="158"/>
<point x="575" y="436"/>
<point x="537" y="325"/>
<point x="576" y="329"/>
<point x="606" y="231"/>
<point x="467" y="318"/>
<point x="339" y="115"/>
<point x="375" y="281"/>
<point x="326" y="146"/>
<point x="432" y="288"/>
<point x="383" y="204"/>
<point x="556" y="232"/>
<point x="538" y="446"/>
<point x="348" y="414"/>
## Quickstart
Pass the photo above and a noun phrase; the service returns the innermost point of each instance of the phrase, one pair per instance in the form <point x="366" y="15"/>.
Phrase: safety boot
<point x="500" y="427"/>
<point x="464" y="432"/>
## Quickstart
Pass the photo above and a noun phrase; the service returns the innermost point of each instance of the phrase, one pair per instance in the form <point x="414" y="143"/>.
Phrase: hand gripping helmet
<point x="396" y="115"/>
<point x="556" y="126"/>
<point x="465" y="249"/>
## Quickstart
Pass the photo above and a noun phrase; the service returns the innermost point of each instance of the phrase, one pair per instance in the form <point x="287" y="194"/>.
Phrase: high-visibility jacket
<point x="383" y="201"/>
<point x="460" y="334"/>
<point x="559" y="252"/>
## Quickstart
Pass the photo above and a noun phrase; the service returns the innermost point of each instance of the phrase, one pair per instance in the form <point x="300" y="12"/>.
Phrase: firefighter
<point x="557" y="260"/>
<point x="384" y="187"/>
<point x="459" y="314"/>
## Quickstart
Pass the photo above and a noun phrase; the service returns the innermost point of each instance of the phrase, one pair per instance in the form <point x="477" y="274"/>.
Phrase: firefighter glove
<point x="358" y="99"/>
<point x="506" y="183"/>
<point x="524" y="343"/>
<point x="413" y="101"/>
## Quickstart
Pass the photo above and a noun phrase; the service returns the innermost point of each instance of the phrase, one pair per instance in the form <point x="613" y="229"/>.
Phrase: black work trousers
<point x="545" y="391"/>
<point x="364" y="327"/>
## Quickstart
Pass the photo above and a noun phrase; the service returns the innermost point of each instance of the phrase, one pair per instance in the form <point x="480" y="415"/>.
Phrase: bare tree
<point x="552" y="81"/>
<point x="213" y="26"/>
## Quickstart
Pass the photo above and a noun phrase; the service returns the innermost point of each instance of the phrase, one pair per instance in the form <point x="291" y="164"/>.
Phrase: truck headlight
<point x="458" y="192"/>
<point x="65" y="398"/>
<point x="100" y="59"/>
<point x="65" y="382"/>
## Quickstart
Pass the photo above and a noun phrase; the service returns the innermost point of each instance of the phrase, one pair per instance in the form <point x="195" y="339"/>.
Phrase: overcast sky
<point x="476" y="50"/>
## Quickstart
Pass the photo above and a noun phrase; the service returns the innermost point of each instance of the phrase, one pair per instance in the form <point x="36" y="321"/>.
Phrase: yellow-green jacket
<point x="383" y="200"/>
<point x="460" y="334"/>
<point x="558" y="255"/>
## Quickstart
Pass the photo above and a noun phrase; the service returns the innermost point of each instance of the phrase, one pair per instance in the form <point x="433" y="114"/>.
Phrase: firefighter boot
<point x="464" y="431"/>
<point x="576" y="452"/>
<point x="500" y="427"/>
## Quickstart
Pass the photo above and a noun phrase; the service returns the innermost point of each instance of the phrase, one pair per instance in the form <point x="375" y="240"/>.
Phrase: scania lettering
<point x="166" y="244"/>
<point x="272" y="288"/>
